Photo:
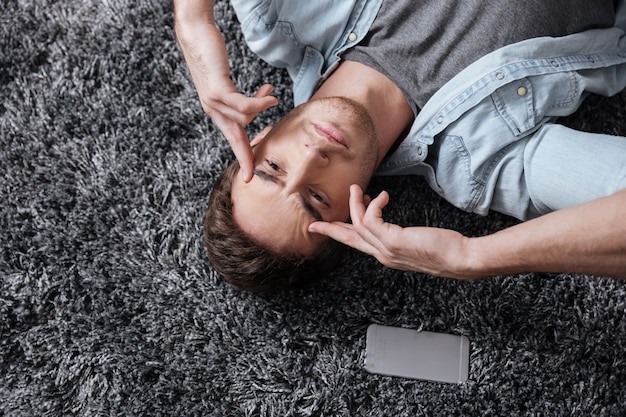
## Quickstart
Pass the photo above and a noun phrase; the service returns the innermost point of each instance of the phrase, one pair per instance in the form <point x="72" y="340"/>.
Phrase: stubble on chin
<point x="359" y="119"/>
<point x="359" y="116"/>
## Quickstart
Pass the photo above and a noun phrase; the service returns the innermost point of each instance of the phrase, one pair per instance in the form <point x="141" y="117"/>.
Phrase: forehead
<point x="273" y="220"/>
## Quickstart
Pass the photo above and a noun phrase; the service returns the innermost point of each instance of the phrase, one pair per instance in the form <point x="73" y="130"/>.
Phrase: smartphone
<point x="396" y="351"/>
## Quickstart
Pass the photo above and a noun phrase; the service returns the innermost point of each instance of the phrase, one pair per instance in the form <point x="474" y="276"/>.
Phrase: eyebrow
<point x="306" y="205"/>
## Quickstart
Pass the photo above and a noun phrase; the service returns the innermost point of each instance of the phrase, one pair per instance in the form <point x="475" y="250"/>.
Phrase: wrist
<point x="495" y="254"/>
<point x="471" y="262"/>
<point x="190" y="13"/>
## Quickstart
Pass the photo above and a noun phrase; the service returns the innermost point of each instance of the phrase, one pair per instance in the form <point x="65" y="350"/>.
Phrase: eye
<point x="273" y="165"/>
<point x="318" y="197"/>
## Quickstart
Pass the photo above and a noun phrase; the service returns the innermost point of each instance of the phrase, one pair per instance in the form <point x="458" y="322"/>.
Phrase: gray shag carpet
<point x="108" y="307"/>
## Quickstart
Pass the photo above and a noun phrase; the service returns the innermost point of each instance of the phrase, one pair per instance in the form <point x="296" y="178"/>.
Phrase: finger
<point x="238" y="140"/>
<point x="368" y="222"/>
<point x="239" y="110"/>
<point x="243" y="109"/>
<point x="264" y="91"/>
<point x="343" y="233"/>
<point x="358" y="213"/>
<point x="258" y="104"/>
<point x="330" y="229"/>
<point x="243" y="153"/>
<point x="382" y="236"/>
<point x="374" y="211"/>
<point x="357" y="208"/>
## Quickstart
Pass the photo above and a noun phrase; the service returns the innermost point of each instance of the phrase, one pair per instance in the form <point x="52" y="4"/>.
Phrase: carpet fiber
<point x="108" y="307"/>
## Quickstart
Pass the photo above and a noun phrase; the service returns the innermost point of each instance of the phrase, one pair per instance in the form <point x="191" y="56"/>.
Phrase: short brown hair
<point x="245" y="264"/>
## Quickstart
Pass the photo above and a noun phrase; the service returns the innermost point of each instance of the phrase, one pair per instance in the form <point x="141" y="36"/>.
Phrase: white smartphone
<point x="396" y="351"/>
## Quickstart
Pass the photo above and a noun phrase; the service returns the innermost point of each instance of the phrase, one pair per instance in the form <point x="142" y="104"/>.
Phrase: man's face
<point x="302" y="173"/>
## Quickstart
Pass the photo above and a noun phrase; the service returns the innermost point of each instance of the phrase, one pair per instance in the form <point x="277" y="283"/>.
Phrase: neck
<point x="385" y="102"/>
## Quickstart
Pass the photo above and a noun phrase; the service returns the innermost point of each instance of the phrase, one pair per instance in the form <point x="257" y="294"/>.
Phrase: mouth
<point x="331" y="133"/>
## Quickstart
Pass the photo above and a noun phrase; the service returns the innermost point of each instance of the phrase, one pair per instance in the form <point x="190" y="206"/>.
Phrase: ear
<point x="258" y="138"/>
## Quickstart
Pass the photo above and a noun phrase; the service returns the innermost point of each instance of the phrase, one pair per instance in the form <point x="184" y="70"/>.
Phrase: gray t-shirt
<point x="422" y="44"/>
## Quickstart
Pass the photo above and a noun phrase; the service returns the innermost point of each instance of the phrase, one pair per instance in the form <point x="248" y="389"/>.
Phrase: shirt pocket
<point x="526" y="102"/>
<point x="455" y="178"/>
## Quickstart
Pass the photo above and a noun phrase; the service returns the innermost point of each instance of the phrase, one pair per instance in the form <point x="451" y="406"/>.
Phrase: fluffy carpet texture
<point x="108" y="307"/>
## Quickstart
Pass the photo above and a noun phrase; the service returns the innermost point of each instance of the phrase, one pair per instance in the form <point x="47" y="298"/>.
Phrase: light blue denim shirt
<point x="472" y="139"/>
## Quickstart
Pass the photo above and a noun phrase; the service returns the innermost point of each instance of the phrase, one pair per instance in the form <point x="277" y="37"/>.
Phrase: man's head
<point x="303" y="169"/>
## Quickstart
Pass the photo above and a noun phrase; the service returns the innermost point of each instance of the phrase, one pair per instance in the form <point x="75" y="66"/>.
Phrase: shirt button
<point x="522" y="91"/>
<point x="352" y="36"/>
<point x="440" y="119"/>
<point x="500" y="76"/>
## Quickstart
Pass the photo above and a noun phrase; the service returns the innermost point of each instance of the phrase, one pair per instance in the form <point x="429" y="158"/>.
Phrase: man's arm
<point x="589" y="238"/>
<point x="205" y="52"/>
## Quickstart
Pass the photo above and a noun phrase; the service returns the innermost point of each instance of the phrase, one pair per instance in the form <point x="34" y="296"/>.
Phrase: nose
<point x="314" y="154"/>
<point x="310" y="160"/>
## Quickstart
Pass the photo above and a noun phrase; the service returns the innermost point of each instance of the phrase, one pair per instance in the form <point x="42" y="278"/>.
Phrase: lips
<point x="331" y="133"/>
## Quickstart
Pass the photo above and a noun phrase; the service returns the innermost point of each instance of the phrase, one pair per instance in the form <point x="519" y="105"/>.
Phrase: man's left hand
<point x="424" y="249"/>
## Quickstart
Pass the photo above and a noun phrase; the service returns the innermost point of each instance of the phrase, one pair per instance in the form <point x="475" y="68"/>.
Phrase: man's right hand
<point x="205" y="52"/>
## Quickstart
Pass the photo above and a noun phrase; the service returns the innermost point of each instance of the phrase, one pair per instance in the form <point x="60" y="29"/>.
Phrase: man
<point x="416" y="88"/>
